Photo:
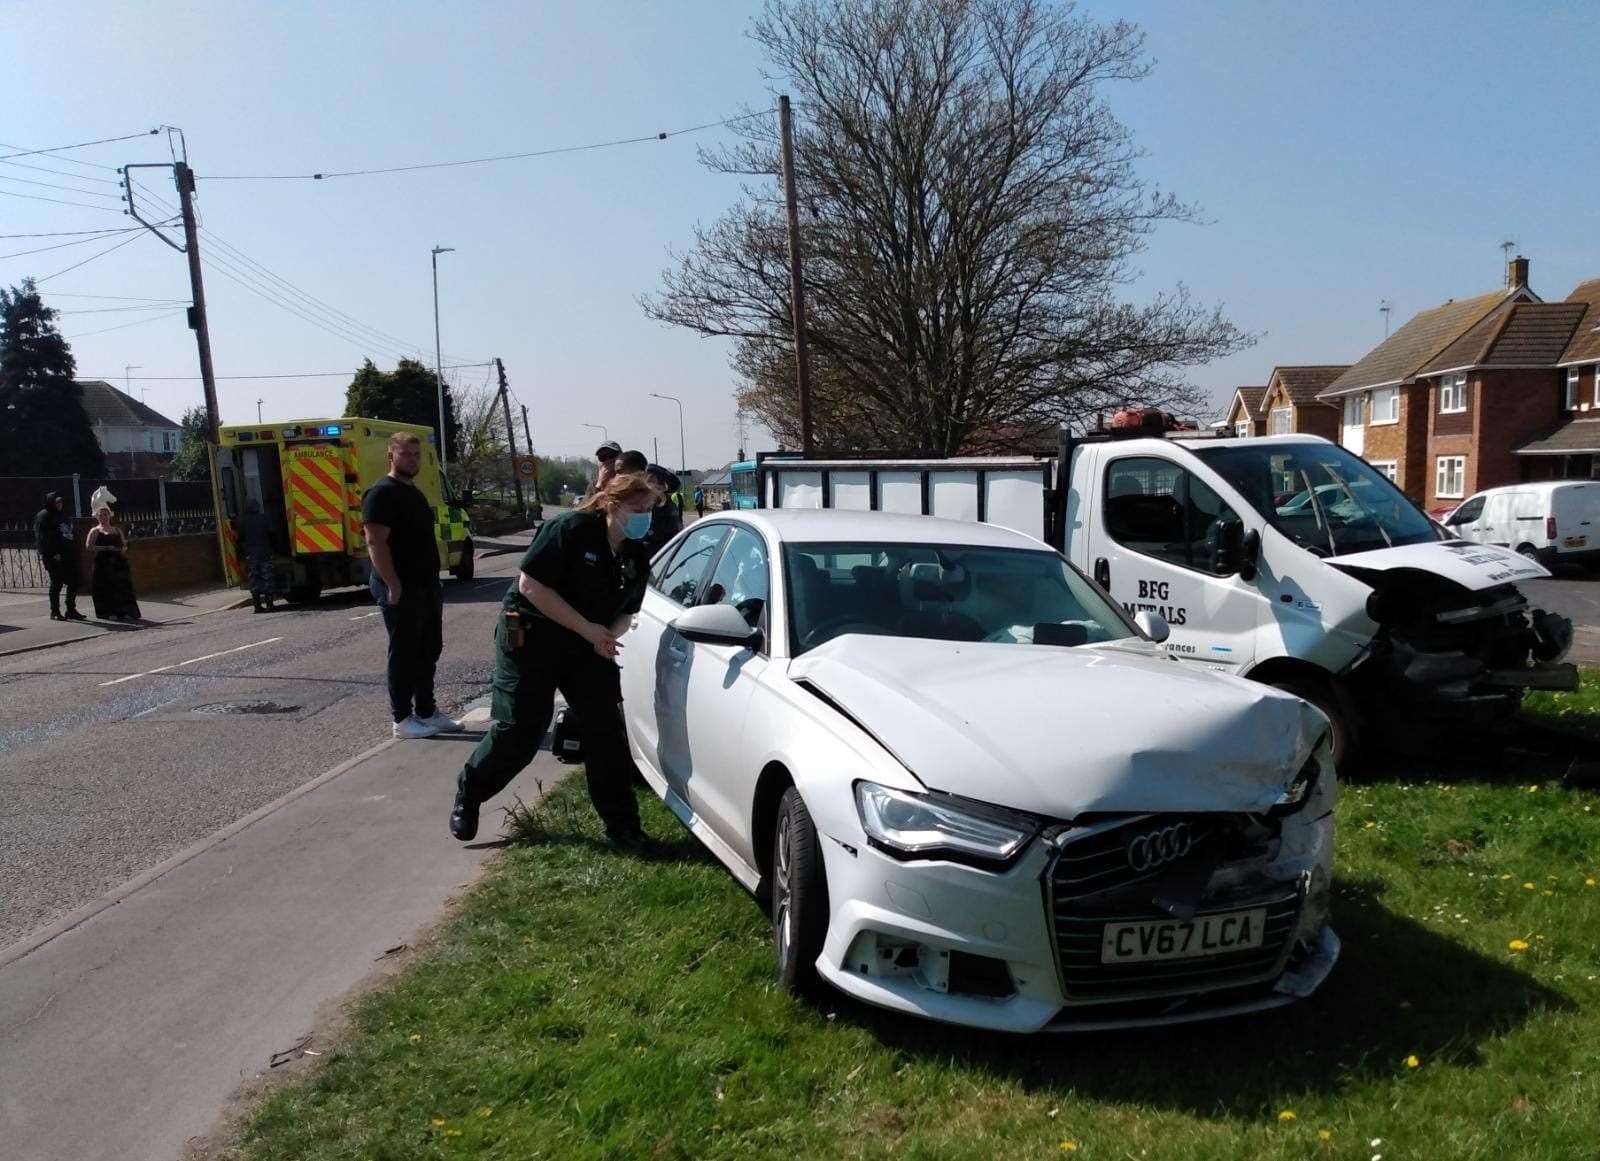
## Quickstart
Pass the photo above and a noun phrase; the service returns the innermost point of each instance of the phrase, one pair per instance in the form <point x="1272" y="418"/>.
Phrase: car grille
<point x="1091" y="884"/>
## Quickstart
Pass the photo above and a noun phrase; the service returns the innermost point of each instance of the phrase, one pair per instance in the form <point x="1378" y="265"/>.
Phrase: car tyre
<point x="799" y="894"/>
<point x="1322" y="695"/>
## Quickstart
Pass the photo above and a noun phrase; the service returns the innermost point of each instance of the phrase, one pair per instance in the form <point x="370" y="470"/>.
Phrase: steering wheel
<point x="836" y="627"/>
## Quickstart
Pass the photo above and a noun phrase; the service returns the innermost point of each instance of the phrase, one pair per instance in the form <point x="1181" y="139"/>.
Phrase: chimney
<point x="1516" y="273"/>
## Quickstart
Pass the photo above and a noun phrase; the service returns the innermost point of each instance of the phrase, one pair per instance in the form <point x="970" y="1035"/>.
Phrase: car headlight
<point x="1298" y="792"/>
<point x="908" y="825"/>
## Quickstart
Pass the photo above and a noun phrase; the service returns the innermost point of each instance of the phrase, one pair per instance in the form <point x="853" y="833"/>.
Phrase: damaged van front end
<point x="1457" y="642"/>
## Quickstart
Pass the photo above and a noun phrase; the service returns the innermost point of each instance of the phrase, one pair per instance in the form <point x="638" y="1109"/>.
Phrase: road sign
<point x="527" y="467"/>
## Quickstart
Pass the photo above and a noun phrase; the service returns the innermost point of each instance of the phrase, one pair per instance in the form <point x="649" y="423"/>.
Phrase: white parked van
<point x="1554" y="522"/>
<point x="1285" y="559"/>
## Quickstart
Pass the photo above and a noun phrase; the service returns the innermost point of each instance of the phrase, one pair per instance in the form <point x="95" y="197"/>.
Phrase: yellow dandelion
<point x="1412" y="1061"/>
<point x="1286" y="1115"/>
<point x="1506" y="876"/>
<point x="1069" y="1146"/>
<point x="437" y="1122"/>
<point x="1370" y="824"/>
<point x="415" y="1038"/>
<point x="452" y="1132"/>
<point x="1518" y="945"/>
<point x="1527" y="886"/>
<point x="1533" y="789"/>
<point x="1588" y="883"/>
<point x="486" y="1111"/>
<point x="1324" y="1135"/>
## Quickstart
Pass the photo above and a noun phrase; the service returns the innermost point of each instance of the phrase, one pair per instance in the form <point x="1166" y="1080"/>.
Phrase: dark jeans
<point x="416" y="638"/>
<point x="63" y="575"/>
<point x="525" y="684"/>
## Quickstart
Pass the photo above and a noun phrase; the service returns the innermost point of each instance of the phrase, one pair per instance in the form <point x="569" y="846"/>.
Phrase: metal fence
<point x="21" y="568"/>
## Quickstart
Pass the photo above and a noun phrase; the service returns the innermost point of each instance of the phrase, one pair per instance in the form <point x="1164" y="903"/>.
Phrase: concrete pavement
<point x="126" y="1026"/>
<point x="25" y="623"/>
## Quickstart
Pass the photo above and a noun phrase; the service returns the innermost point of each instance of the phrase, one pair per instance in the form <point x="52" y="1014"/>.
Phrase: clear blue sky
<point x="1342" y="154"/>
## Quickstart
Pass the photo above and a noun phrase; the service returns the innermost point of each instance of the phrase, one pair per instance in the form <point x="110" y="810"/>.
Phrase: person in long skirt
<point x="113" y="580"/>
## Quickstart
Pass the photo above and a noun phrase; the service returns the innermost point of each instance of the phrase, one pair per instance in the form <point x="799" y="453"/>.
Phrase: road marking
<point x="499" y="580"/>
<point x="364" y="616"/>
<point x="191" y="661"/>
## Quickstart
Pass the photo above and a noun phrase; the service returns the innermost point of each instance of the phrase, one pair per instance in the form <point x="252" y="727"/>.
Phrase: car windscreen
<point x="947" y="592"/>
<point x="1322" y="497"/>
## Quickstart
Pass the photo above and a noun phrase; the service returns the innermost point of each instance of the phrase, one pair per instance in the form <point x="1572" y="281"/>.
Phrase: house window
<point x="1279" y="421"/>
<point x="1242" y="428"/>
<point x="1353" y="410"/>
<point x="1571" y="400"/>
<point x="1596" y="370"/>
<point x="1388" y="469"/>
<point x="1386" y="405"/>
<point x="1452" y="394"/>
<point x="1450" y="479"/>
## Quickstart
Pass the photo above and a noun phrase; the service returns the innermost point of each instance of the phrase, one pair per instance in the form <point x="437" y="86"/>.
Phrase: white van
<point x="1285" y="559"/>
<point x="1554" y="522"/>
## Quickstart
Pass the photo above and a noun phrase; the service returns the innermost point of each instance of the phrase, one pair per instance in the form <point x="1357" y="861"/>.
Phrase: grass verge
<point x="587" y="1004"/>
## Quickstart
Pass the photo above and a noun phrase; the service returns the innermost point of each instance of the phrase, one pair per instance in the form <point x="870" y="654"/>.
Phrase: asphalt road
<point x="1576" y="595"/>
<point x="108" y="767"/>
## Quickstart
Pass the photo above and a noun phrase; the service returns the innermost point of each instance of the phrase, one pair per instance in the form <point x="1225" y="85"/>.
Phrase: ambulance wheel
<point x="1322" y="695"/>
<point x="464" y="568"/>
<point x="306" y="594"/>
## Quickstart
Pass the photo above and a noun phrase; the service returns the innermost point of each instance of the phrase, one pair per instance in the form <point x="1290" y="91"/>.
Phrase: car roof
<point x="1536" y="486"/>
<point x="814" y="524"/>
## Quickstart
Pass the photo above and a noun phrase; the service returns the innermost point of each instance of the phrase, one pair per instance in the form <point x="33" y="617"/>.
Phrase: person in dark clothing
<point x="699" y="501"/>
<point x="58" y="550"/>
<point x="403" y="546"/>
<point x="666" y="520"/>
<point x="606" y="454"/>
<point x="114" y="599"/>
<point x="580" y="583"/>
<point x="255" y="541"/>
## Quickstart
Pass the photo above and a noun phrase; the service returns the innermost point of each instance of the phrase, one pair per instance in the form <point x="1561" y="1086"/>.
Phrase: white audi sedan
<point x="969" y="785"/>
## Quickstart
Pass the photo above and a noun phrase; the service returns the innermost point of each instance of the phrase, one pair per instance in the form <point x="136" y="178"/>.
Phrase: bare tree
<point x="482" y="457"/>
<point x="970" y="210"/>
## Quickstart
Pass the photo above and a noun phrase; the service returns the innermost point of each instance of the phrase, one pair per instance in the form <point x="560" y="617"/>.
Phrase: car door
<point x="722" y="680"/>
<point x="655" y="656"/>
<point x="1496" y="525"/>
<point x="1153" y="534"/>
<point x="1464" y="521"/>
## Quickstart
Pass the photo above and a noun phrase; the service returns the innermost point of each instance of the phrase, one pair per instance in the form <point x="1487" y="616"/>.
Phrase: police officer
<point x="58" y="552"/>
<point x="581" y="580"/>
<point x="666" y="519"/>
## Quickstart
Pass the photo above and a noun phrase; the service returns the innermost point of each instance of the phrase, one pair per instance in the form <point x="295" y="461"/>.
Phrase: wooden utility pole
<point x="184" y="176"/>
<point x="528" y="435"/>
<point x="797" y="282"/>
<point x="511" y="433"/>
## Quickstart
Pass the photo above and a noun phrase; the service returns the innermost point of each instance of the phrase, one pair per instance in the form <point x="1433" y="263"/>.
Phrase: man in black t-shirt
<point x="404" y="550"/>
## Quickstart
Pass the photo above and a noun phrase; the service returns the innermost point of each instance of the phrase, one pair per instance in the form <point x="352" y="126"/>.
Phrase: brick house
<point x="1445" y="405"/>
<point x="1570" y="450"/>
<point x="1245" y="416"/>
<point x="1292" y="400"/>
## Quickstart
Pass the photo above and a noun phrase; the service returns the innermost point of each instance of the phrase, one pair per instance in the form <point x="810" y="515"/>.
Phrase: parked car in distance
<point x="1553" y="522"/>
<point x="971" y="786"/>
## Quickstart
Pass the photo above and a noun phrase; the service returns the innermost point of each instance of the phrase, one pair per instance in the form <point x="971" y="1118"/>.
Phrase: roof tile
<point x="1585" y="342"/>
<point x="109" y="407"/>
<point x="1425" y="335"/>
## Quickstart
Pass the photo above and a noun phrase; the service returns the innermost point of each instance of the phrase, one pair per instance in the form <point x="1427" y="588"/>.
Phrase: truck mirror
<point x="1227" y="547"/>
<point x="1250" y="554"/>
<point x="1153" y="625"/>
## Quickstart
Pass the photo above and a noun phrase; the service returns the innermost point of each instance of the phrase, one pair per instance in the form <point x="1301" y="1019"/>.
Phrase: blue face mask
<point x="637" y="525"/>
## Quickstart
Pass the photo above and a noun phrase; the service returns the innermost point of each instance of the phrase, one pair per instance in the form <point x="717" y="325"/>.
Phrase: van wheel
<point x="799" y="894"/>
<point x="1321" y="695"/>
<point x="1530" y="552"/>
<point x="464" y="567"/>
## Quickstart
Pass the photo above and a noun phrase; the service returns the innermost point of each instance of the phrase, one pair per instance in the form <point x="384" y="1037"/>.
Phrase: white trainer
<point x="441" y="722"/>
<point x="415" y="727"/>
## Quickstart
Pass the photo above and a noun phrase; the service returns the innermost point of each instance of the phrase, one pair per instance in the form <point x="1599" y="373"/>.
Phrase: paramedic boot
<point x="464" y="818"/>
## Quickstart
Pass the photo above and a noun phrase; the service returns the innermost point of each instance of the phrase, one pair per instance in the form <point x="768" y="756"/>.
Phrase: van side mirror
<point x="1153" y="625"/>
<point x="1250" y="555"/>
<point x="1227" y="547"/>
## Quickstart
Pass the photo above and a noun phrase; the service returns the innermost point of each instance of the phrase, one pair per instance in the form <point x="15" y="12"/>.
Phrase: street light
<point x="683" y="457"/>
<point x="438" y="358"/>
<point x="605" y="436"/>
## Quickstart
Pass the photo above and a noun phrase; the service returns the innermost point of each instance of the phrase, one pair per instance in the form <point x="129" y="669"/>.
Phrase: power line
<point x="125" y="309"/>
<point x="60" y="201"/>
<point x="78" y="145"/>
<point x="660" y="136"/>
<point x="57" y="172"/>
<point x="73" y="233"/>
<point x="74" y="242"/>
<point x="123" y="326"/>
<point x="77" y="189"/>
<point x="91" y="258"/>
<point x="114" y="298"/>
<point x="278" y="375"/>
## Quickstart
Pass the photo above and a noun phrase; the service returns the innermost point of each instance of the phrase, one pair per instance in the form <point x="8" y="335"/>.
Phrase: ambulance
<point x="309" y="476"/>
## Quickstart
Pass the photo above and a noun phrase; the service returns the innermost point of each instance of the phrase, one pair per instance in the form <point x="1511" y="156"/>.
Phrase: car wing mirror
<point x="716" y="625"/>
<point x="1153" y="625"/>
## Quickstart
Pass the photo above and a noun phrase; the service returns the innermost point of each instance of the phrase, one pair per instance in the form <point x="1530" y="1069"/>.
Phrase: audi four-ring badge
<point x="967" y="787"/>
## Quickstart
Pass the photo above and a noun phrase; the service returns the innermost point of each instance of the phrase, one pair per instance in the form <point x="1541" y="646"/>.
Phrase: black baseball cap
<point x="608" y="450"/>
<point x="663" y="476"/>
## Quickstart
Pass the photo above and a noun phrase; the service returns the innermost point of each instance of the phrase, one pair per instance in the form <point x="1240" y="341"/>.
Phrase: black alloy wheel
<point x="799" y="894"/>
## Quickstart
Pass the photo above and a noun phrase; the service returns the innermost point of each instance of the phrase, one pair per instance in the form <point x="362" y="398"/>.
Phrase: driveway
<point x="1576" y="595"/>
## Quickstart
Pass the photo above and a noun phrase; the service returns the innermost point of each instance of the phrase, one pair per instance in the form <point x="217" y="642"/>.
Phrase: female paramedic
<point x="581" y="581"/>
